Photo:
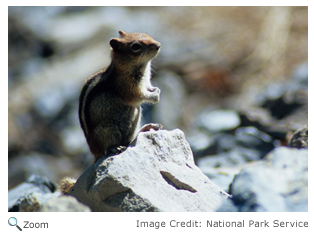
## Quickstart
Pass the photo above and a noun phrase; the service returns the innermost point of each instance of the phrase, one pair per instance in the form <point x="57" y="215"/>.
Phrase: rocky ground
<point x="233" y="79"/>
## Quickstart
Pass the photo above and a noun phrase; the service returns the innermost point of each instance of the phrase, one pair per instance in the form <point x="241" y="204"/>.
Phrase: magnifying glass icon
<point x="13" y="222"/>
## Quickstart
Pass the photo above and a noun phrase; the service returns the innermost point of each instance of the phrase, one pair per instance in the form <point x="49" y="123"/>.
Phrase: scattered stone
<point x="229" y="154"/>
<point x="279" y="107"/>
<point x="248" y="142"/>
<point x="227" y="159"/>
<point x="299" y="138"/>
<point x="30" y="195"/>
<point x="64" y="204"/>
<point x="278" y="183"/>
<point x="256" y="116"/>
<point x="156" y="173"/>
<point x="222" y="176"/>
<point x="219" y="120"/>
<point x="199" y="141"/>
<point x="286" y="104"/>
<point x="253" y="144"/>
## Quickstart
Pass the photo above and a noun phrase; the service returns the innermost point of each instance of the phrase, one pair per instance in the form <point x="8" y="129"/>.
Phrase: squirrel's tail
<point x="66" y="184"/>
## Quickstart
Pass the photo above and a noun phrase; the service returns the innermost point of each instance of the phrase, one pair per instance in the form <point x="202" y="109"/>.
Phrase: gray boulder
<point x="155" y="173"/>
<point x="278" y="183"/>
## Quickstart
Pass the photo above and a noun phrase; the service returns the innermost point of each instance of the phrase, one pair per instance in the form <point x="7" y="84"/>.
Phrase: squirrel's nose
<point x="158" y="45"/>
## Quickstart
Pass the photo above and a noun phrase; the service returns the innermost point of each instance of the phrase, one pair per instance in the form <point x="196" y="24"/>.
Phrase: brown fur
<point x="109" y="103"/>
<point x="110" y="100"/>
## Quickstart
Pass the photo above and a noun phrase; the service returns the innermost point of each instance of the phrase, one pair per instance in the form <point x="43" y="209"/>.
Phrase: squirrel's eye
<point x="136" y="47"/>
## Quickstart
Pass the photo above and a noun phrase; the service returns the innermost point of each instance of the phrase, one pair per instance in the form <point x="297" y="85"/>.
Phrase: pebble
<point x="219" y="120"/>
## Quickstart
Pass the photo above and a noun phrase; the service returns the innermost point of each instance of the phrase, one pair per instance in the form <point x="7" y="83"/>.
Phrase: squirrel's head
<point x="134" y="48"/>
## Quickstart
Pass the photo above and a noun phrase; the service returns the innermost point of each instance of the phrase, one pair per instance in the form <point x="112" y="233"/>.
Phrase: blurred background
<point x="234" y="79"/>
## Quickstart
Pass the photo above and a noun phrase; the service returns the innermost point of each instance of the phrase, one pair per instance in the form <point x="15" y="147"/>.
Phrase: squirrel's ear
<point x="115" y="44"/>
<point x="122" y="33"/>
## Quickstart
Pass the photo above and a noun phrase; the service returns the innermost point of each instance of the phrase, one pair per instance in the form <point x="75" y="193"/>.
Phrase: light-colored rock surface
<point x="30" y="195"/>
<point x="156" y="173"/>
<point x="64" y="204"/>
<point x="278" y="183"/>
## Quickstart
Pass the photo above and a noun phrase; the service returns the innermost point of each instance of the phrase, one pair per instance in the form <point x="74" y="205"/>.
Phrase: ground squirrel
<point x="109" y="103"/>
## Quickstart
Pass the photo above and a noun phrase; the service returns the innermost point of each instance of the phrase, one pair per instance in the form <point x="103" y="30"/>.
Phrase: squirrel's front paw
<point x="154" y="94"/>
<point x="154" y="90"/>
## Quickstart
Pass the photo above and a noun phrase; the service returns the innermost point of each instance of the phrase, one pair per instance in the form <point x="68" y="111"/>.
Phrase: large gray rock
<point x="278" y="183"/>
<point x="156" y="173"/>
